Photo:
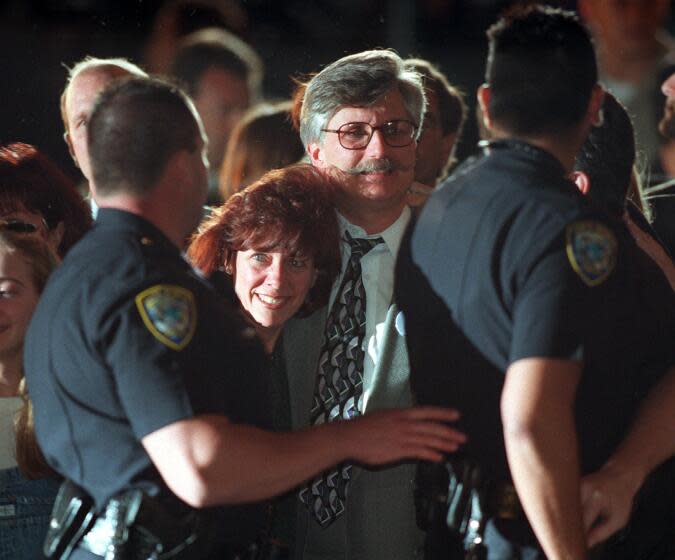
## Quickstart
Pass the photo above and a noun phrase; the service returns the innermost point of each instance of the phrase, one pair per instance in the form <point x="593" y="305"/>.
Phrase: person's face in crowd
<point x="221" y="99"/>
<point x="433" y="149"/>
<point x="82" y="93"/>
<point x="18" y="298"/>
<point x="629" y="24"/>
<point x="272" y="286"/>
<point x="667" y="124"/>
<point x="381" y="174"/>
<point x="25" y="222"/>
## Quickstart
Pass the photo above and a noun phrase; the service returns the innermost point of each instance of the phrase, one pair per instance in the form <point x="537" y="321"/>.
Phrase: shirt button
<point x="146" y="241"/>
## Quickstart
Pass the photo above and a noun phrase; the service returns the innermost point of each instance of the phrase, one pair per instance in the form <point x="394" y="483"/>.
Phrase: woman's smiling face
<point x="272" y="286"/>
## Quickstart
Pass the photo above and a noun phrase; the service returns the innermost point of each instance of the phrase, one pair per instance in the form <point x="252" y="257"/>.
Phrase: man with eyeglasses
<point x="359" y="121"/>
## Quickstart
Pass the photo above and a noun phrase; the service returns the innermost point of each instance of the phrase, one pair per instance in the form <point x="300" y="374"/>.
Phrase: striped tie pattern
<point x="338" y="393"/>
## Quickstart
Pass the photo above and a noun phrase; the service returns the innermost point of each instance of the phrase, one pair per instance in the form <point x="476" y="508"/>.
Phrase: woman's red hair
<point x="287" y="210"/>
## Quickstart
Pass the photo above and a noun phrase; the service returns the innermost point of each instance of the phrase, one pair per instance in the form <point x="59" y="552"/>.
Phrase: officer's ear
<point x="595" y="114"/>
<point x="582" y="181"/>
<point x="483" y="97"/>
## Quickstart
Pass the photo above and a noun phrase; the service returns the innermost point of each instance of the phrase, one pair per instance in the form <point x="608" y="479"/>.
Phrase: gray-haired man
<point x="359" y="120"/>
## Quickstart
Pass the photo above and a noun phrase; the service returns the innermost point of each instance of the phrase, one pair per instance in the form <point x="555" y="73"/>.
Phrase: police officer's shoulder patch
<point x="591" y="250"/>
<point x="170" y="314"/>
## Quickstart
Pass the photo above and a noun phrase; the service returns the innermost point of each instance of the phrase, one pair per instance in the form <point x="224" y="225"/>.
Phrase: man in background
<point x="86" y="79"/>
<point x="223" y="76"/>
<point x="442" y="125"/>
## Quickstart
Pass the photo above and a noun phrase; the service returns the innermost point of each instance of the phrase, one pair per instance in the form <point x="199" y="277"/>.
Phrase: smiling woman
<point x="278" y="241"/>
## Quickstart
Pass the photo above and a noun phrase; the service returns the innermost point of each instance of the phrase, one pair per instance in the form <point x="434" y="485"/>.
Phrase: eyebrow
<point x="11" y="279"/>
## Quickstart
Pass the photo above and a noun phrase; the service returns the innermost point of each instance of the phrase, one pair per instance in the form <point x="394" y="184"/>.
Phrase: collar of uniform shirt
<point x="392" y="235"/>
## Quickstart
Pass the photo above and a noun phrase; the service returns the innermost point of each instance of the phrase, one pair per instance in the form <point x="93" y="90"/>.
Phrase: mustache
<point x="382" y="165"/>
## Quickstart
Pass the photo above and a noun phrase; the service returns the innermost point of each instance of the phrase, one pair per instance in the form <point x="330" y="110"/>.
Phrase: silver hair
<point x="358" y="80"/>
<point x="91" y="62"/>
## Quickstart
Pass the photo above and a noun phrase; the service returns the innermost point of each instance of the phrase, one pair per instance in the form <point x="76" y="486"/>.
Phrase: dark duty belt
<point x="135" y="527"/>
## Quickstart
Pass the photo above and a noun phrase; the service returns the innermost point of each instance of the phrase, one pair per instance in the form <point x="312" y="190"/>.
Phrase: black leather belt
<point x="113" y="529"/>
<point x="133" y="526"/>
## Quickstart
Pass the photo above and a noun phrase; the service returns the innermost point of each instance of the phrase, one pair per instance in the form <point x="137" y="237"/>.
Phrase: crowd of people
<point x="301" y="329"/>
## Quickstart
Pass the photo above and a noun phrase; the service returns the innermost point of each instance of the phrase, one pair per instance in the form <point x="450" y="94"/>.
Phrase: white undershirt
<point x="377" y="269"/>
<point x="9" y="406"/>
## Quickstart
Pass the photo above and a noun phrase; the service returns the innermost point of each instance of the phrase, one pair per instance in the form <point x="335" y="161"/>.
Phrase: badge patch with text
<point x="591" y="250"/>
<point x="170" y="314"/>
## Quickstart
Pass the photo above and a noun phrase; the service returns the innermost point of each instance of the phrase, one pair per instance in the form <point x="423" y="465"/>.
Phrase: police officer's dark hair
<point x="541" y="69"/>
<point x="217" y="48"/>
<point x="607" y="156"/>
<point x="136" y="125"/>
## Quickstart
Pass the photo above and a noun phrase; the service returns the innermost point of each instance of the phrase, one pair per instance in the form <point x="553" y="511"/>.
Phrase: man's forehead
<point x="387" y="107"/>
<point x="86" y="85"/>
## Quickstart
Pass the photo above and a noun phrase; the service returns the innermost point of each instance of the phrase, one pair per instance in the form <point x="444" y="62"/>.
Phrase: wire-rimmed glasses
<point x="357" y="135"/>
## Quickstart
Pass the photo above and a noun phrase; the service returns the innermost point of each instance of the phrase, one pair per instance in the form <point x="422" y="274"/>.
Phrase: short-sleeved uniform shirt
<point x="126" y="340"/>
<point x="507" y="261"/>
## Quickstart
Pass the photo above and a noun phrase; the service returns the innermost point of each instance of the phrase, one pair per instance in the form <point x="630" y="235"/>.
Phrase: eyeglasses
<point x="357" y="135"/>
<point x="17" y="226"/>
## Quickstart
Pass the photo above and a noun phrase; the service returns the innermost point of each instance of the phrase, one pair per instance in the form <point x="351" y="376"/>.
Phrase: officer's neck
<point x="150" y="208"/>
<point x="564" y="146"/>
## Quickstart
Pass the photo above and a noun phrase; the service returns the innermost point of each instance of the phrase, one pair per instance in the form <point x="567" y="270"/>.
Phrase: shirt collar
<point x="392" y="235"/>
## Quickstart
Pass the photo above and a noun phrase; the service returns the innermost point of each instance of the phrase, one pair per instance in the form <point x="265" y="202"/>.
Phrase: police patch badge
<point x="170" y="314"/>
<point x="591" y="249"/>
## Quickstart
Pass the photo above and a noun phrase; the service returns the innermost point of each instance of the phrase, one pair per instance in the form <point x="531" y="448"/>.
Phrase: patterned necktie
<point x="339" y="384"/>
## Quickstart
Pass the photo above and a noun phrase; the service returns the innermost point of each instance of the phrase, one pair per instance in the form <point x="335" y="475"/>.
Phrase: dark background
<point x="38" y="38"/>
